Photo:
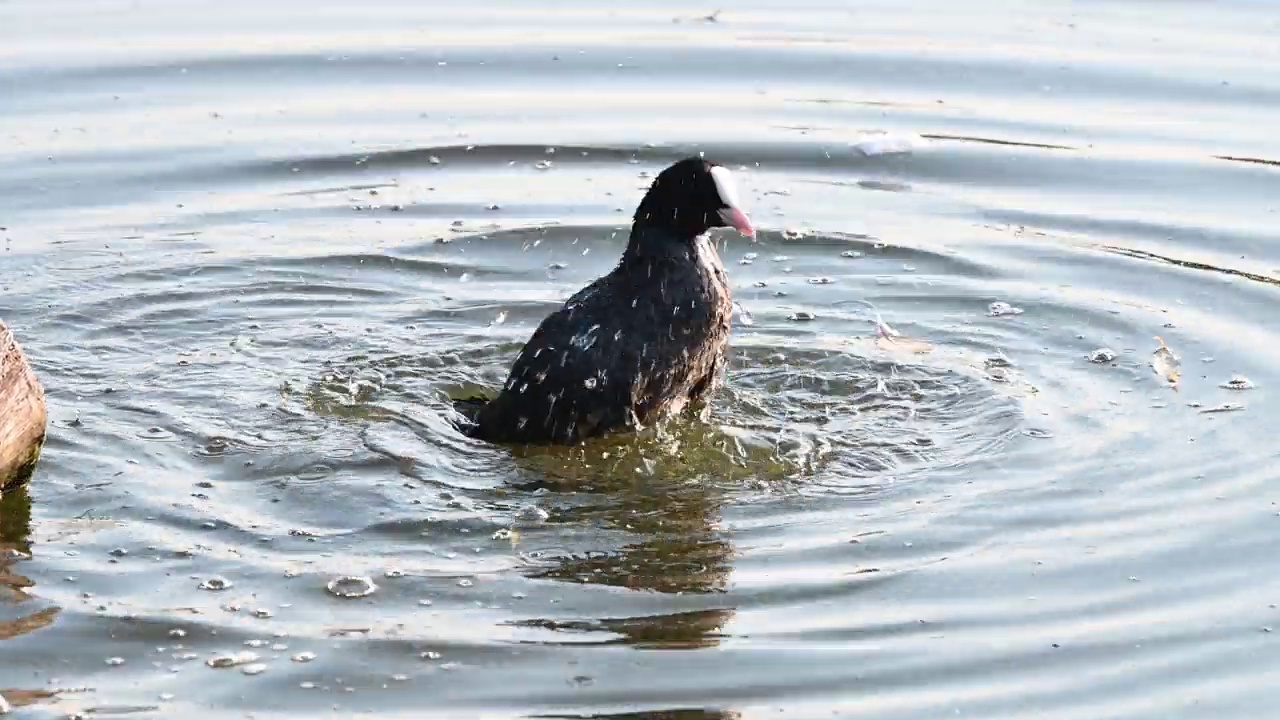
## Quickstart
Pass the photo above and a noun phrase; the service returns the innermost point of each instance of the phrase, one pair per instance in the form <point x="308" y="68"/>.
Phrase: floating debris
<point x="1000" y="308"/>
<point x="1238" y="382"/>
<point x="227" y="660"/>
<point x="802" y="317"/>
<point x="820" y="281"/>
<point x="850" y="254"/>
<point x="216" y="584"/>
<point x="303" y="657"/>
<point x="1102" y="355"/>
<point x="792" y="234"/>
<point x="351" y="586"/>
<point x="1165" y="364"/>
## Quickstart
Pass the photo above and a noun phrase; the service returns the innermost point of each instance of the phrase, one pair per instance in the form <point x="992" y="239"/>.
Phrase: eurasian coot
<point x="640" y="343"/>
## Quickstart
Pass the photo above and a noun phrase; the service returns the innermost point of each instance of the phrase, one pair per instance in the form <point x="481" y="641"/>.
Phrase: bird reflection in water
<point x="17" y="617"/>
<point x="663" y="492"/>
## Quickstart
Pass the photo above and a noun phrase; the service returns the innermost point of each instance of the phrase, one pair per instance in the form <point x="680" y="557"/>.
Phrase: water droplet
<point x="232" y="659"/>
<point x="532" y="514"/>
<point x="216" y="584"/>
<point x="1001" y="309"/>
<point x="1102" y="355"/>
<point x="351" y="586"/>
<point x="1238" y="382"/>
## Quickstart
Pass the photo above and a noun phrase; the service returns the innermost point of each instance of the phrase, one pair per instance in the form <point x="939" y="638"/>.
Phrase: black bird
<point x="641" y="343"/>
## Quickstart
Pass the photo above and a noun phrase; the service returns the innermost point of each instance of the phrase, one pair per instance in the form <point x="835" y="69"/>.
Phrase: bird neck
<point x="649" y="244"/>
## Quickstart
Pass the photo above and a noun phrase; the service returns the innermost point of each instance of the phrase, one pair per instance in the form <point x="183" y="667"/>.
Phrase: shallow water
<point x="253" y="248"/>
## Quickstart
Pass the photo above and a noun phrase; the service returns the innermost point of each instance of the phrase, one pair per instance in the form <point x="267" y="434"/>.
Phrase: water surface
<point x="253" y="248"/>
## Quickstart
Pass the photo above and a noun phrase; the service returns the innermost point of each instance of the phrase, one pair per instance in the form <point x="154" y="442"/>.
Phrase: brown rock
<point x="23" y="416"/>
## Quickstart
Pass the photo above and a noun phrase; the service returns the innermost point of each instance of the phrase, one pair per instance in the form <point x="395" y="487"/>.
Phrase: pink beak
<point x="738" y="220"/>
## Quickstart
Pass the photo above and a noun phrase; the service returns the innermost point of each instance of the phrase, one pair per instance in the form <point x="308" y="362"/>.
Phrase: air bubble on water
<point x="802" y="317"/>
<point x="464" y="277"/>
<point x="393" y="573"/>
<point x="254" y="643"/>
<point x="589" y="383"/>
<point x="425" y="602"/>
<point x="433" y="160"/>
<point x="820" y="281"/>
<point x="543" y="165"/>
<point x="1238" y="382"/>
<point x="1102" y="355"/>
<point x="351" y="586"/>
<point x="399" y="677"/>
<point x="750" y="256"/>
<point x="850" y="254"/>
<point x="1037" y="433"/>
<point x="262" y="613"/>
<point x="303" y="657"/>
<point x="177" y="633"/>
<point x="254" y="669"/>
<point x="115" y="661"/>
<point x="501" y="534"/>
<point x="430" y="655"/>
<point x="1000" y="308"/>
<point x="501" y="318"/>
<point x="216" y="584"/>
<point x="465" y="583"/>
<point x="227" y="660"/>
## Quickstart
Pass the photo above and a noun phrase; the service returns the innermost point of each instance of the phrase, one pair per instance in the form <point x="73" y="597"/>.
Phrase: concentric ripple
<point x="255" y="253"/>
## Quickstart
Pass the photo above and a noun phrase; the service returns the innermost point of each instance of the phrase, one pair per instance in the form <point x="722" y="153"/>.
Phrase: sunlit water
<point x="254" y="248"/>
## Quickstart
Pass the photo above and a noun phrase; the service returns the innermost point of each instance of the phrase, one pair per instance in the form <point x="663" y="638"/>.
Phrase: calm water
<point x="253" y="247"/>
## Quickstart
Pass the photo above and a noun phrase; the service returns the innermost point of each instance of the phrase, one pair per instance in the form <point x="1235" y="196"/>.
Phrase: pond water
<point x="253" y="249"/>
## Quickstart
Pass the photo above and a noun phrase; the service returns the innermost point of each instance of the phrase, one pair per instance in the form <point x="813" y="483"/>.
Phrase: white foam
<point x="725" y="186"/>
